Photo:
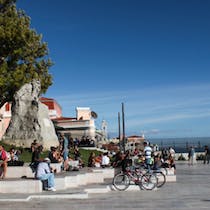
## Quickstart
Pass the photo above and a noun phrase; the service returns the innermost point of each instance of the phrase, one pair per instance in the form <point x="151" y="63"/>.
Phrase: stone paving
<point x="191" y="191"/>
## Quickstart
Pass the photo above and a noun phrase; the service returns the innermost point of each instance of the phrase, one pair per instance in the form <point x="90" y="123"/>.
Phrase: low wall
<point x="21" y="186"/>
<point x="19" y="171"/>
<point x="68" y="180"/>
<point x="185" y="155"/>
<point x="61" y="182"/>
<point x="25" y="171"/>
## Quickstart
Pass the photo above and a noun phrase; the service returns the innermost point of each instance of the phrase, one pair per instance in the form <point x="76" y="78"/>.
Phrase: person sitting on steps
<point x="3" y="161"/>
<point x="43" y="172"/>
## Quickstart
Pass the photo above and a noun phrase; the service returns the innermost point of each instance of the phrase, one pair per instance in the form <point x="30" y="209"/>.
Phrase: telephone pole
<point x="123" y="127"/>
<point x="119" y="132"/>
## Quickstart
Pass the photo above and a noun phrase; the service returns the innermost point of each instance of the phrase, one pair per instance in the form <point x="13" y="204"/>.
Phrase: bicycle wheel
<point x="161" y="178"/>
<point x="164" y="170"/>
<point x="121" y="181"/>
<point x="148" y="181"/>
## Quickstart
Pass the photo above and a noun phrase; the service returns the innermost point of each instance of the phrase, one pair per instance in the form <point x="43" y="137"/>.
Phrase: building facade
<point x="135" y="142"/>
<point x="81" y="125"/>
<point x="54" y="108"/>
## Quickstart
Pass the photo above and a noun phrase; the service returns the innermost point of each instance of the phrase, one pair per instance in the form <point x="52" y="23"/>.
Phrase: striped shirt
<point x="147" y="152"/>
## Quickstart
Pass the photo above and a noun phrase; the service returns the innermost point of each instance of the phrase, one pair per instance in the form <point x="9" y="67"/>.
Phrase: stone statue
<point x="30" y="119"/>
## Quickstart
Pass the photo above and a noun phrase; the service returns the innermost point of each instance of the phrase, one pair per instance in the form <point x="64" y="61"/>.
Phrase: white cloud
<point x="148" y="106"/>
<point x="169" y="118"/>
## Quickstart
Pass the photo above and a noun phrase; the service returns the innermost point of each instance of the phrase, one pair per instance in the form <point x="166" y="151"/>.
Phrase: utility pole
<point x="119" y="131"/>
<point x="123" y="127"/>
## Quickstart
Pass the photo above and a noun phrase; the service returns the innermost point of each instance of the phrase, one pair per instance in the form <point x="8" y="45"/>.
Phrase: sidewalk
<point x="191" y="191"/>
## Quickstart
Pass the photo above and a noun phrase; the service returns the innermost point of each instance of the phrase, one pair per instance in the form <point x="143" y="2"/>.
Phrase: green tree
<point x="23" y="54"/>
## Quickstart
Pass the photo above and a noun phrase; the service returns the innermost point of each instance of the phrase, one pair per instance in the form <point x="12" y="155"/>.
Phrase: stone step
<point x="170" y="178"/>
<point x="21" y="171"/>
<point x="62" y="182"/>
<point x="69" y="181"/>
<point x="65" y="181"/>
<point x="27" y="198"/>
<point x="98" y="190"/>
<point x="21" y="186"/>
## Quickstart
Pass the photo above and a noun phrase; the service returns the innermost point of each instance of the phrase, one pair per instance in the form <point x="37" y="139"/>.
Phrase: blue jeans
<point x="49" y="177"/>
<point x="148" y="164"/>
<point x="65" y="154"/>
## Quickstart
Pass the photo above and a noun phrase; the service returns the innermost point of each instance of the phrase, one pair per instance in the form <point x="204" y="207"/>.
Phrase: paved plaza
<point x="191" y="191"/>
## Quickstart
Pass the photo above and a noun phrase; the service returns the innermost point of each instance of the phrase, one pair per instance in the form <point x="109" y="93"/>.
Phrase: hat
<point x="47" y="160"/>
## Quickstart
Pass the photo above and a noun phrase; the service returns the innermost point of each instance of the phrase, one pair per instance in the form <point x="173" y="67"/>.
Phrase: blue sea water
<point x="182" y="144"/>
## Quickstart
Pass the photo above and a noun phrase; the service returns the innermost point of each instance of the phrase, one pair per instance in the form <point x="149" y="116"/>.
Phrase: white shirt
<point x="42" y="168"/>
<point x="172" y="152"/>
<point x="105" y="160"/>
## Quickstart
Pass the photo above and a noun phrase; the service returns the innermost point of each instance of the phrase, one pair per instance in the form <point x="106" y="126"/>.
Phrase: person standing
<point x="35" y="159"/>
<point x="191" y="156"/>
<point x="206" y="155"/>
<point x="148" y="155"/>
<point x="126" y="161"/>
<point x="65" y="151"/>
<point x="34" y="145"/>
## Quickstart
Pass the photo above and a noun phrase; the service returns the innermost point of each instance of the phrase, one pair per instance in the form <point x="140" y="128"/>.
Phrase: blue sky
<point x="154" y="56"/>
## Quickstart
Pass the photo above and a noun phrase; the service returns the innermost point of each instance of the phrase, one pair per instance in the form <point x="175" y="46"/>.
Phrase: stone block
<point x="71" y="181"/>
<point x="170" y="178"/>
<point x="96" y="177"/>
<point x="21" y="186"/>
<point x="98" y="190"/>
<point x="81" y="179"/>
<point x="60" y="183"/>
<point x="107" y="172"/>
<point x="19" y="171"/>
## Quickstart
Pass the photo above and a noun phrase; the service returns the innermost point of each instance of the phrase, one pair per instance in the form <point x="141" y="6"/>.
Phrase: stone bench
<point x="62" y="182"/>
<point x="83" y="179"/>
<point x="21" y="171"/>
<point x="21" y="186"/>
<point x="107" y="172"/>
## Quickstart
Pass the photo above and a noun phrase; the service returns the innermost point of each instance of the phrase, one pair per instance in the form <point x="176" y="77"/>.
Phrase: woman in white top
<point x="105" y="162"/>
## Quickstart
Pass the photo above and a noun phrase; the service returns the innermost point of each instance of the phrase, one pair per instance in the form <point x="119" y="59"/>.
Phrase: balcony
<point x="76" y="124"/>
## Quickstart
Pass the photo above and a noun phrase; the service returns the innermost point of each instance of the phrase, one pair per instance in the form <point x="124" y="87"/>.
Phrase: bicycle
<point x="161" y="177"/>
<point x="123" y="180"/>
<point x="158" y="172"/>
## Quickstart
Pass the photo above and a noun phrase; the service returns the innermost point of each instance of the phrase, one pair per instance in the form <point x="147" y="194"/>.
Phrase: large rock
<point x="30" y="119"/>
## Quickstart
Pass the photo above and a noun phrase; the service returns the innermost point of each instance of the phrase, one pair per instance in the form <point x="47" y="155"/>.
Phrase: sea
<point x="182" y="145"/>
